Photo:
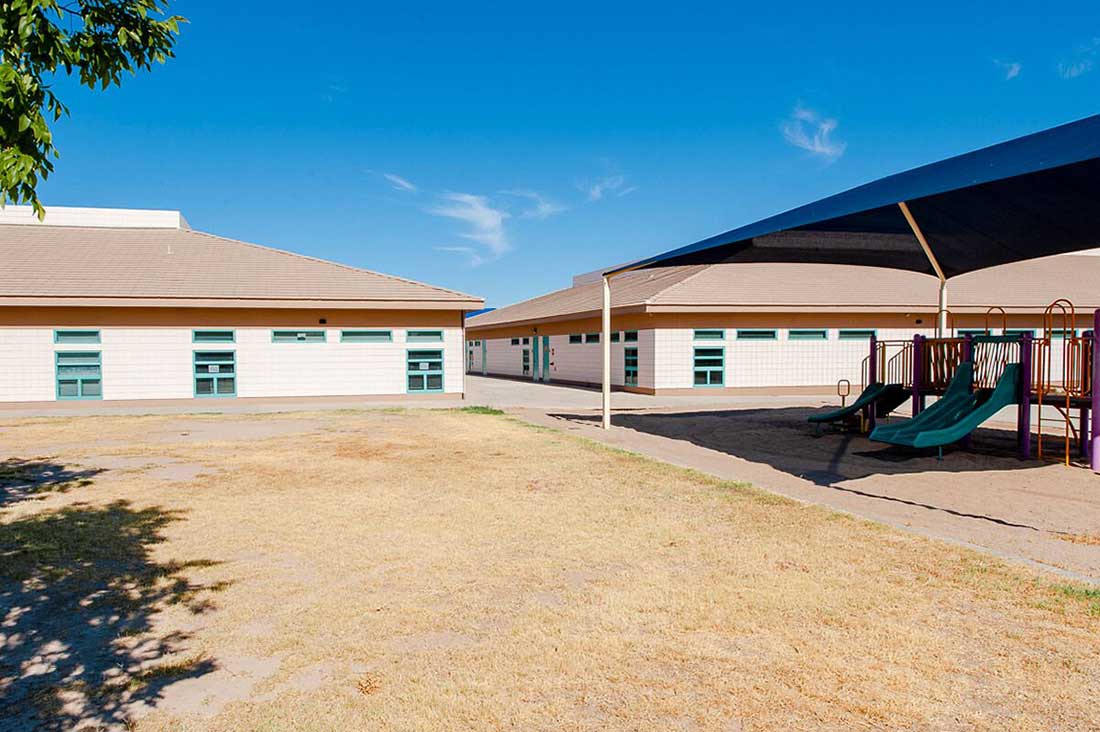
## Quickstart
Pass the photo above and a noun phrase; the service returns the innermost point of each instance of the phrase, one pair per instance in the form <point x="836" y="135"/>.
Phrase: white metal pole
<point x="605" y="343"/>
<point x="941" y="316"/>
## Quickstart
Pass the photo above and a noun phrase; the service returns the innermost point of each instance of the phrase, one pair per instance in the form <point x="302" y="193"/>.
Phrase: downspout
<point x="941" y="315"/>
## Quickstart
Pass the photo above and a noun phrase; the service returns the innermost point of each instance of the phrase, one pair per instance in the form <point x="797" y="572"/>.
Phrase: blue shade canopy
<point x="1030" y="197"/>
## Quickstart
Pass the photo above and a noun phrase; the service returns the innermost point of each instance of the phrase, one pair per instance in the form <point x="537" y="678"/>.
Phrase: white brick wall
<point x="156" y="363"/>
<point x="580" y="362"/>
<point x="503" y="358"/>
<point x="782" y="362"/>
<point x="144" y="363"/>
<point x="26" y="364"/>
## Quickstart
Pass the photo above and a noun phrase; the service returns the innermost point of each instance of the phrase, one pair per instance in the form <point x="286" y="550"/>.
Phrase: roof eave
<point x="240" y="303"/>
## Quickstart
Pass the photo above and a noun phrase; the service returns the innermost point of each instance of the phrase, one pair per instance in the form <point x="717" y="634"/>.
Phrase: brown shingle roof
<point x="767" y="287"/>
<point x="79" y="265"/>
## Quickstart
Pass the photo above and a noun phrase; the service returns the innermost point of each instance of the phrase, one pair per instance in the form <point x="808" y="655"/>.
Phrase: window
<point x="215" y="373"/>
<point x="630" y="336"/>
<point x="425" y="336"/>
<point x="615" y="337"/>
<point x="709" y="366"/>
<point x="212" y="336"/>
<point x="964" y="332"/>
<point x="368" y="336"/>
<point x="526" y="341"/>
<point x="1017" y="332"/>
<point x="526" y="361"/>
<point x="79" y="375"/>
<point x="515" y="341"/>
<point x="808" y="334"/>
<point x="852" y="334"/>
<point x="630" y="366"/>
<point x="425" y="371"/>
<point x="576" y="338"/>
<point x="298" y="336"/>
<point x="1059" y="334"/>
<point x="710" y="335"/>
<point x="591" y="337"/>
<point x="76" y="336"/>
<point x="756" y="334"/>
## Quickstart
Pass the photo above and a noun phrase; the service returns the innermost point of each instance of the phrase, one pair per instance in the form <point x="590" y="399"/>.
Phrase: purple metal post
<point x="1023" y="415"/>
<point x="968" y="355"/>
<point x="872" y="378"/>
<point x="1094" y="451"/>
<point x="916" y="375"/>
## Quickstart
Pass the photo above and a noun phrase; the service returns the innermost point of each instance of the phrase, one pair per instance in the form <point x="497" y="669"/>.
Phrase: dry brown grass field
<point x="441" y="570"/>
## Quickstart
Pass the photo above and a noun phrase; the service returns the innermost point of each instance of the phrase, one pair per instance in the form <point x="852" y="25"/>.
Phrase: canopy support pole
<point x="941" y="315"/>
<point x="605" y="346"/>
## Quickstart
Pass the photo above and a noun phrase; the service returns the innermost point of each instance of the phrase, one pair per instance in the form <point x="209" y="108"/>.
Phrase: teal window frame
<point x="426" y="355"/>
<point x="964" y="332"/>
<point x="808" y="334"/>
<point x="205" y="335"/>
<point x="615" y="336"/>
<point x="630" y="366"/>
<point x="630" y="336"/>
<point x="77" y="336"/>
<point x="525" y="362"/>
<point x="368" y="336"/>
<point x="424" y="336"/>
<point x="1059" y="334"/>
<point x="757" y="334"/>
<point x="708" y="334"/>
<point x="856" y="334"/>
<point x="576" y="338"/>
<point x="591" y="338"/>
<point x="515" y="341"/>
<point x="281" y="336"/>
<point x="702" y="363"/>
<point x="216" y="378"/>
<point x="526" y="341"/>
<point x="93" y="359"/>
<point x="1017" y="332"/>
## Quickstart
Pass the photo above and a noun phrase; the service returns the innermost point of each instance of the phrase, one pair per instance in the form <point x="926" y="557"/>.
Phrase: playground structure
<point x="978" y="374"/>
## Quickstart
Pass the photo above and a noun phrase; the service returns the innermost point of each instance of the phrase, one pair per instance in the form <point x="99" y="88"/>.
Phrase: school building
<point x="120" y="304"/>
<point x="774" y="327"/>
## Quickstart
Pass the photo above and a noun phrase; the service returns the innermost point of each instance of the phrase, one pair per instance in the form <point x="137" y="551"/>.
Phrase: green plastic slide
<point x="956" y="400"/>
<point x="938" y="432"/>
<point x="885" y="397"/>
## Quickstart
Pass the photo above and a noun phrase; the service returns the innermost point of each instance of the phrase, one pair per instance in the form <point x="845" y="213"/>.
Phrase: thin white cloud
<point x="399" y="183"/>
<point x="486" y="224"/>
<point x="608" y="184"/>
<point x="1012" y="69"/>
<point x="808" y="130"/>
<point x="1081" y="61"/>
<point x="542" y="208"/>
<point x="331" y="91"/>
<point x="473" y="257"/>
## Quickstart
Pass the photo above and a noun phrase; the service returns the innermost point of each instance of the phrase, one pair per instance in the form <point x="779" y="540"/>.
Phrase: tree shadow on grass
<point x="23" y="479"/>
<point x="79" y="592"/>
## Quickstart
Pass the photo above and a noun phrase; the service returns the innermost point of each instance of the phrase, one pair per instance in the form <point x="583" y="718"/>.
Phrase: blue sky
<point x="500" y="150"/>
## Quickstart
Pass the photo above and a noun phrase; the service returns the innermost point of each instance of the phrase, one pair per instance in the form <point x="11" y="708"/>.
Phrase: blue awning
<point x="1030" y="197"/>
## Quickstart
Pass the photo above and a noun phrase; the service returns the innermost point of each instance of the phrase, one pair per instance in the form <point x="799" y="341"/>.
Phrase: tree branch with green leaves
<point x="96" y="41"/>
